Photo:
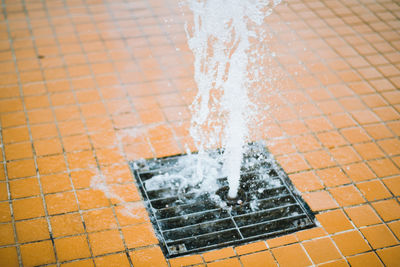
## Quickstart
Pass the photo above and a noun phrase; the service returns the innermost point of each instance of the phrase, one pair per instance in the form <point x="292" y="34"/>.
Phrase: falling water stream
<point x="221" y="38"/>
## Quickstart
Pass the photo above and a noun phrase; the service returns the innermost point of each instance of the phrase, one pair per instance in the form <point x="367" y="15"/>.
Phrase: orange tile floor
<point x="87" y="85"/>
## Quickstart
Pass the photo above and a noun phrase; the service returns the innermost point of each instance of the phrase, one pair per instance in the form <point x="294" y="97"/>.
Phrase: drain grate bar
<point x="187" y="221"/>
<point x="211" y="222"/>
<point x="191" y="196"/>
<point x="235" y="238"/>
<point x="216" y="208"/>
<point x="236" y="228"/>
<point x="201" y="228"/>
<point x="190" y="214"/>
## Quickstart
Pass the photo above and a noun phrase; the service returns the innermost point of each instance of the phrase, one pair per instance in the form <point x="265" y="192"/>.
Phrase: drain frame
<point x="240" y="233"/>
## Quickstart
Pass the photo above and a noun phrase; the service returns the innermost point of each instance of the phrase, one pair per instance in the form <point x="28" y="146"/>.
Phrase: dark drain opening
<point x="187" y="221"/>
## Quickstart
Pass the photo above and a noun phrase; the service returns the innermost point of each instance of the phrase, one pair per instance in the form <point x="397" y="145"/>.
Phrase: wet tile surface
<point x="86" y="86"/>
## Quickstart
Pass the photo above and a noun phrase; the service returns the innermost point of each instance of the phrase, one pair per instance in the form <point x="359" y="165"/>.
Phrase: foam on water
<point x="184" y="174"/>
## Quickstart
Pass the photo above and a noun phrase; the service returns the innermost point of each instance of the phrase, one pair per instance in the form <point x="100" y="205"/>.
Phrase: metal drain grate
<point x="188" y="222"/>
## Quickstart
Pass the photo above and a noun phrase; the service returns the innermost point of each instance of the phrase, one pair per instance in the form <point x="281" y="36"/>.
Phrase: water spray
<point x="220" y="40"/>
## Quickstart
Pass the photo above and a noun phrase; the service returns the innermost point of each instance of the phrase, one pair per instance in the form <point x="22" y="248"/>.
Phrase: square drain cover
<point x="188" y="219"/>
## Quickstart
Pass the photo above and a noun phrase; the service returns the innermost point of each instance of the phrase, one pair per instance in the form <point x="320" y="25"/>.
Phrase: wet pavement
<point x="86" y="86"/>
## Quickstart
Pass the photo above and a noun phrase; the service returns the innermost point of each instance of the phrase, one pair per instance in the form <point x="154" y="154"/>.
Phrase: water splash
<point x="221" y="37"/>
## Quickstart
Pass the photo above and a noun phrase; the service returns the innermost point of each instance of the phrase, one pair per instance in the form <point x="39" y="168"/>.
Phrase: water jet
<point x="236" y="193"/>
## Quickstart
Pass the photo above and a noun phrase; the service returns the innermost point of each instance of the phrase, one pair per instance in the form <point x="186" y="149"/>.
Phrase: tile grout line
<point x="121" y="151"/>
<point x="359" y="126"/>
<point x="170" y="79"/>
<point x="37" y="176"/>
<point x="322" y="145"/>
<point x="164" y="123"/>
<point x="120" y="146"/>
<point x="64" y="153"/>
<point x="340" y="207"/>
<point x="387" y="156"/>
<point x="9" y="200"/>
<point x="368" y="202"/>
<point x="97" y="209"/>
<point x="4" y="161"/>
<point x="363" y="160"/>
<point x="47" y="93"/>
<point x="147" y="139"/>
<point x="127" y="250"/>
<point x="145" y="36"/>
